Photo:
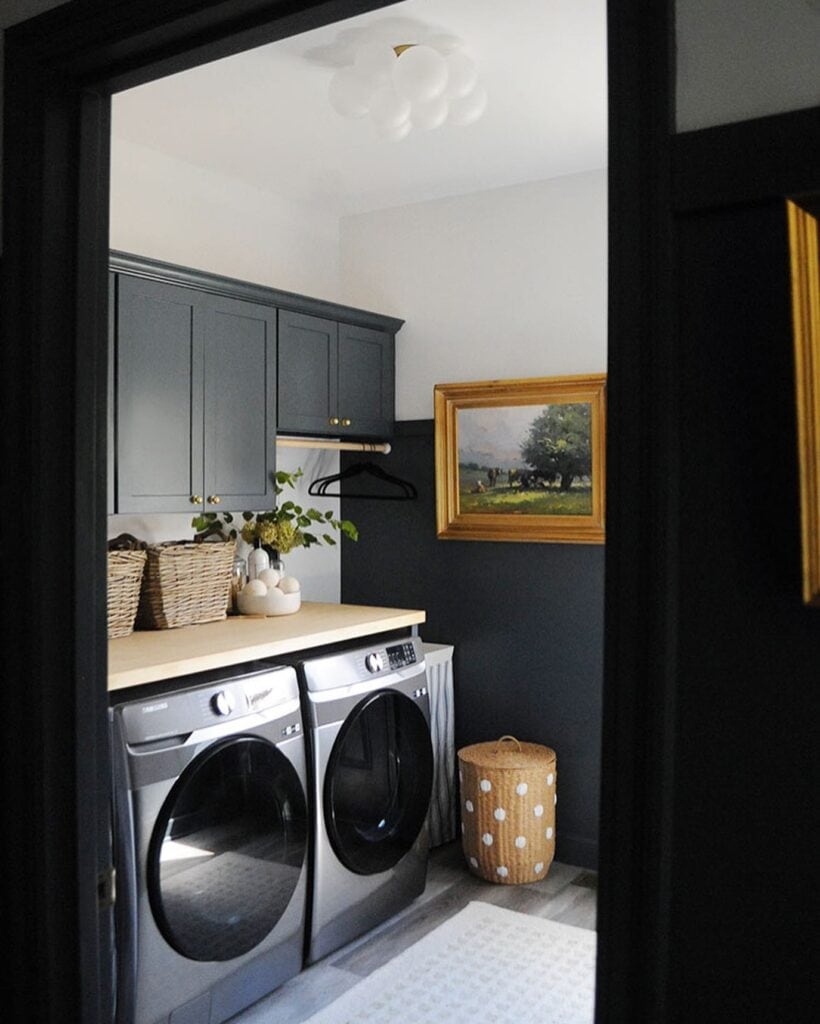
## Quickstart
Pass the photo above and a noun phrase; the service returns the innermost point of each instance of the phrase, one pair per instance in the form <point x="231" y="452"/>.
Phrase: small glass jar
<point x="239" y="577"/>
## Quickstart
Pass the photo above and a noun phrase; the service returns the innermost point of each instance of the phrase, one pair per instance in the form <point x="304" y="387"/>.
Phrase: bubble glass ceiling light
<point x="414" y="85"/>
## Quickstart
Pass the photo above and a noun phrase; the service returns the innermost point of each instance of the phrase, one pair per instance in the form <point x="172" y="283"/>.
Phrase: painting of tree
<point x="521" y="459"/>
<point x="558" y="446"/>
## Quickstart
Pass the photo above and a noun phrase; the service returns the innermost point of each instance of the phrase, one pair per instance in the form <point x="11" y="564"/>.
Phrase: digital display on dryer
<point x="401" y="655"/>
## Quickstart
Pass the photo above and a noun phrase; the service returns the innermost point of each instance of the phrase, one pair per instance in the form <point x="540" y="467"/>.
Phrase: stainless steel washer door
<point x="227" y="849"/>
<point x="378" y="782"/>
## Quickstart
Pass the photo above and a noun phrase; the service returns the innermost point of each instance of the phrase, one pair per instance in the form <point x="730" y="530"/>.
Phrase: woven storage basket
<point x="508" y="797"/>
<point x="124" y="579"/>
<point x="185" y="584"/>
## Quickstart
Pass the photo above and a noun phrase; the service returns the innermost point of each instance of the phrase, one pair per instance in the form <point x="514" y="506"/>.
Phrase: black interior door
<point x="227" y="849"/>
<point x="378" y="783"/>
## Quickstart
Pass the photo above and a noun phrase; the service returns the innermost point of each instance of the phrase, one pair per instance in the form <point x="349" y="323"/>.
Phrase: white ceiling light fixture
<point x="411" y="85"/>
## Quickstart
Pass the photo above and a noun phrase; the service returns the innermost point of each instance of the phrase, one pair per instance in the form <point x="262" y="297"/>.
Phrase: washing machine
<point x="211" y="833"/>
<point x="367" y="721"/>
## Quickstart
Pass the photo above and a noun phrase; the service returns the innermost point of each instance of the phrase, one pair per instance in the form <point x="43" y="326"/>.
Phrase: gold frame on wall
<point x="454" y="524"/>
<point x="804" y="233"/>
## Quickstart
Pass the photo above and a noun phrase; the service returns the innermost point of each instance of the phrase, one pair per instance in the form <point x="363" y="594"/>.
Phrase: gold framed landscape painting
<point x="804" y="248"/>
<point x="521" y="460"/>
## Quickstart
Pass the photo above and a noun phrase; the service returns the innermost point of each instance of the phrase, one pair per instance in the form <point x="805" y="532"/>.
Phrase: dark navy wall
<point x="526" y="621"/>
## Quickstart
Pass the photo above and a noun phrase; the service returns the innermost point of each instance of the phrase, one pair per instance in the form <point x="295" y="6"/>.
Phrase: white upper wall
<point x="505" y="283"/>
<point x="739" y="59"/>
<point x="176" y="211"/>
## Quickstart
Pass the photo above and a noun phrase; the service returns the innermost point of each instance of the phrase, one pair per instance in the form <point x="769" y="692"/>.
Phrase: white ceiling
<point x="263" y="116"/>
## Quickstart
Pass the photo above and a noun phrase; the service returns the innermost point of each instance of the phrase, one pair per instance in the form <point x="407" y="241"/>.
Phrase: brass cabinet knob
<point x="334" y="421"/>
<point x="214" y="499"/>
<point x="346" y="422"/>
<point x="196" y="499"/>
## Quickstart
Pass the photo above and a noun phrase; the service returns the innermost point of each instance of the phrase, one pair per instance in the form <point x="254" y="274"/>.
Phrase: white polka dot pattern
<point x="509" y="817"/>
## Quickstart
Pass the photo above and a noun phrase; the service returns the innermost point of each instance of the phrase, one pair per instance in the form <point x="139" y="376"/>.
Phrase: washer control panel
<point x="401" y="655"/>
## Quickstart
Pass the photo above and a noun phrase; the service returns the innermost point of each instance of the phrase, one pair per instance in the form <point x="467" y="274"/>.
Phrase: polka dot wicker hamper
<point x="508" y="798"/>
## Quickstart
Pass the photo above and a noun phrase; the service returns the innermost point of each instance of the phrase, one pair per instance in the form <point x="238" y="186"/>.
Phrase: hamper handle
<point x="501" y="740"/>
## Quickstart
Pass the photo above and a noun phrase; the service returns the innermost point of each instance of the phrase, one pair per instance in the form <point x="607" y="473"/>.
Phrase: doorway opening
<point x="62" y="97"/>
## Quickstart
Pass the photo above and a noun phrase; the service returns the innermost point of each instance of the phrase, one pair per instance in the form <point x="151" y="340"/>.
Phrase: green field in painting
<point x="512" y="501"/>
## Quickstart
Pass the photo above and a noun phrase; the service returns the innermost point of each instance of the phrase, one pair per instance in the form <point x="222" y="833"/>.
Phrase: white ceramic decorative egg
<point x="270" y="577"/>
<point x="257" y="599"/>
<point x="289" y="585"/>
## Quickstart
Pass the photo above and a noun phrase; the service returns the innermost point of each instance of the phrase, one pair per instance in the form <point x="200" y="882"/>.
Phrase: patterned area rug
<point x="485" y="965"/>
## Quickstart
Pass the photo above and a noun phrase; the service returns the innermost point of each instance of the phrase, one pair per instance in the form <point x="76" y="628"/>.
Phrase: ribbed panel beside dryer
<point x="442" y="817"/>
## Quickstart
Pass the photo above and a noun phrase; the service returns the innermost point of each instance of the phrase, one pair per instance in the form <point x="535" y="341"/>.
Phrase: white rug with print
<point x="485" y="965"/>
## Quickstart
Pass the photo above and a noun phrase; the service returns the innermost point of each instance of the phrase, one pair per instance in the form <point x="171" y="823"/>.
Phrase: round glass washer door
<point x="227" y="849"/>
<point x="378" y="782"/>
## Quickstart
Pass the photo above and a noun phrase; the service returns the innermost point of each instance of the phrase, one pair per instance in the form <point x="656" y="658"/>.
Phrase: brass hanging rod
<point x="338" y="446"/>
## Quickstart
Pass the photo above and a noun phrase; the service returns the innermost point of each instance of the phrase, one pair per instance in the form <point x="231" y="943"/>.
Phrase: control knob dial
<point x="373" y="662"/>
<point x="222" y="703"/>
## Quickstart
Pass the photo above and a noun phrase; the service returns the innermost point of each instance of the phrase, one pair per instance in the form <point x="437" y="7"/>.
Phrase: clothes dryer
<point x="367" y="720"/>
<point x="210" y="844"/>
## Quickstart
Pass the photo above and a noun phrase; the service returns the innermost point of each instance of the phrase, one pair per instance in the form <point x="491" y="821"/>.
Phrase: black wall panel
<point x="526" y="621"/>
<point x="745" y="763"/>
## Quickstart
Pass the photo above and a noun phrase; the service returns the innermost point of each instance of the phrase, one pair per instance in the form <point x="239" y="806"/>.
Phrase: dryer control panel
<point x="363" y="666"/>
<point x="401" y="655"/>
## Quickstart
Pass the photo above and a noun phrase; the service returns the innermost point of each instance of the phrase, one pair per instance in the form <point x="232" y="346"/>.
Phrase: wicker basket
<point x="508" y="797"/>
<point x="185" y="584"/>
<point x="124" y="579"/>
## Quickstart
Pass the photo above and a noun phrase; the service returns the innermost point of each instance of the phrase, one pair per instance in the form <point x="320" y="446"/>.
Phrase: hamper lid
<point x="507" y="752"/>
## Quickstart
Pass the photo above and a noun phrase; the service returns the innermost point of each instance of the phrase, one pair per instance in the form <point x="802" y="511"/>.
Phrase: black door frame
<point x="60" y="71"/>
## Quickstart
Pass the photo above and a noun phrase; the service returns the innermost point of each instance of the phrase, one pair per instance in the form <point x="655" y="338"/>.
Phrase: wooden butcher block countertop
<point x="153" y="655"/>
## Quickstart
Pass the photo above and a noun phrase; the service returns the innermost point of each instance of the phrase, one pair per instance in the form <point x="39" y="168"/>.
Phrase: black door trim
<point x="60" y="69"/>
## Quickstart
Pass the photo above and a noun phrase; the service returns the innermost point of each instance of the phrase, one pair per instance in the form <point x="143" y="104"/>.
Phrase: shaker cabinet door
<point x="159" y="401"/>
<point x="335" y="380"/>
<point x="366" y="381"/>
<point x="307" y="374"/>
<point x="240" y="404"/>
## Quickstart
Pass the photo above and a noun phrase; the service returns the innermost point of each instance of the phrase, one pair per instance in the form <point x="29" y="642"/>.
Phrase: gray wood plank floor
<point x="567" y="894"/>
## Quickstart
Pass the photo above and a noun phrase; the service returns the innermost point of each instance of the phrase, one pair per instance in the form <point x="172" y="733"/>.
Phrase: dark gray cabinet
<point x="193" y="384"/>
<point x="195" y="399"/>
<point x="335" y="379"/>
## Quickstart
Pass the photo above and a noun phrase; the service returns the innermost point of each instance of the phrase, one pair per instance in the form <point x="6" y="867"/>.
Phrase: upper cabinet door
<point x="366" y="382"/>
<point x="158" y="398"/>
<point x="240" y="404"/>
<point x="308" y="374"/>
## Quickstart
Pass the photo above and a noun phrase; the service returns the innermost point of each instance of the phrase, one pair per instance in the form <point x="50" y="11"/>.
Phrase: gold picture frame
<point x="804" y="236"/>
<point x="521" y="460"/>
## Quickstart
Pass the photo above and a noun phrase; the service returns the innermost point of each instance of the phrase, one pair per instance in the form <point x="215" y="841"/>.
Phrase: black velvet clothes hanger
<point x="406" y="491"/>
